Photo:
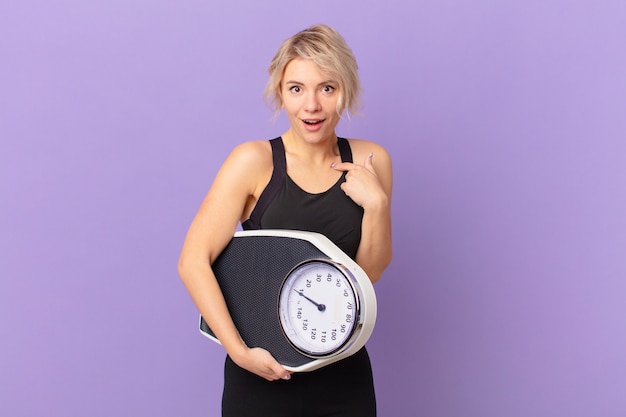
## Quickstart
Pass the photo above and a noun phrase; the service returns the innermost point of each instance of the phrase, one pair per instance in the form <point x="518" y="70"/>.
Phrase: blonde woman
<point x="306" y="179"/>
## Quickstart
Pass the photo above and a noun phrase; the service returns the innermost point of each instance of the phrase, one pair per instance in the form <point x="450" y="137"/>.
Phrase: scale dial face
<point x="318" y="307"/>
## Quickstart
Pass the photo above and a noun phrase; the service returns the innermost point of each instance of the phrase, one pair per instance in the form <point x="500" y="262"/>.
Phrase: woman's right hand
<point x="260" y="362"/>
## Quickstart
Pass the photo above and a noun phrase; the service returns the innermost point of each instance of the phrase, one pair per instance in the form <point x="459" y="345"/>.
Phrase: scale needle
<point x="320" y="307"/>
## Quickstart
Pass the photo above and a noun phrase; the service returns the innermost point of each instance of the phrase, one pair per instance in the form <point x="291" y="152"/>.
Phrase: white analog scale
<point x="297" y="295"/>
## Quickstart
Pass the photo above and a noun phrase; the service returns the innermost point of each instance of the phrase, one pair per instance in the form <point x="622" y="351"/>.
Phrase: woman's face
<point x="310" y="100"/>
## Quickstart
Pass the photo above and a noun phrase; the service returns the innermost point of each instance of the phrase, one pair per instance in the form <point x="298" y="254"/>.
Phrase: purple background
<point x="507" y="124"/>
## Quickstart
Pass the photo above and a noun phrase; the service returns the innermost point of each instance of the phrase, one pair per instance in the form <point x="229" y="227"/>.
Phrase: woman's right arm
<point x="235" y="184"/>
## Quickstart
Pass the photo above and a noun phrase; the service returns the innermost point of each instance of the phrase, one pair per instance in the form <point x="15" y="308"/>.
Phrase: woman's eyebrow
<point x="301" y="83"/>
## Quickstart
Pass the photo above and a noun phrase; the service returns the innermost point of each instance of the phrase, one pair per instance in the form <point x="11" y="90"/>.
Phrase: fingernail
<point x="371" y="155"/>
<point x="287" y="377"/>
<point x="334" y="164"/>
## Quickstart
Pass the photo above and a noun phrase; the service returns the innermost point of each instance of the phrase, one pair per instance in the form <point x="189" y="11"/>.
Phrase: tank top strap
<point x="278" y="154"/>
<point x="273" y="187"/>
<point x="344" y="150"/>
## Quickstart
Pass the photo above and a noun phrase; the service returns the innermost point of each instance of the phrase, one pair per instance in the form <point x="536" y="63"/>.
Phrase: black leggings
<point x="342" y="389"/>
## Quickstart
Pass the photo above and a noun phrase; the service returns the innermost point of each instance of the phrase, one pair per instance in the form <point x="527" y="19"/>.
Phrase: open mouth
<point x="312" y="122"/>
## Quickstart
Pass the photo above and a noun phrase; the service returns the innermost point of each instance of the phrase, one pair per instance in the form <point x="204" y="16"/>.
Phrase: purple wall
<point x="507" y="124"/>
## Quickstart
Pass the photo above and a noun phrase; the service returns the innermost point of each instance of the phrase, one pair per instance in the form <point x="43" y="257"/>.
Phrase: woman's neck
<point x="319" y="151"/>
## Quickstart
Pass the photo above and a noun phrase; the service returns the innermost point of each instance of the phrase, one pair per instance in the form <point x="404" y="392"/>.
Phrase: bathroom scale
<point x="297" y="295"/>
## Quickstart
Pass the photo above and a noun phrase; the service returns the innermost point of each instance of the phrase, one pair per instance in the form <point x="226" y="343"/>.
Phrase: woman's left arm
<point x="369" y="185"/>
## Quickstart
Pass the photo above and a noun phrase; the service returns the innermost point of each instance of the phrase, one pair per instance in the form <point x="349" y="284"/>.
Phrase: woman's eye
<point x="295" y="89"/>
<point x="328" y="89"/>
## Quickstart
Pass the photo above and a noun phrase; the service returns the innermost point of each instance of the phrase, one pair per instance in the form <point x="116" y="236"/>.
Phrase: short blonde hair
<point x="330" y="52"/>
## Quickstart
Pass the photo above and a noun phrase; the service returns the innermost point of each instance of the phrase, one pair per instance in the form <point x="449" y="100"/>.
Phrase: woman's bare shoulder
<point x="361" y="149"/>
<point x="249" y="158"/>
<point x="257" y="151"/>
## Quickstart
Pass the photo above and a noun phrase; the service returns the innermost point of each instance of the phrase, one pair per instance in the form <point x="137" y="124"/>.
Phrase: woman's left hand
<point x="362" y="184"/>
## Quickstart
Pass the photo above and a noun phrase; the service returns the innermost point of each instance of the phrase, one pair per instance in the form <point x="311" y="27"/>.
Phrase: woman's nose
<point x="312" y="103"/>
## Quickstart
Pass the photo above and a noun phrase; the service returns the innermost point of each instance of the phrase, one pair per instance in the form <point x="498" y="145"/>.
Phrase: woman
<point x="307" y="179"/>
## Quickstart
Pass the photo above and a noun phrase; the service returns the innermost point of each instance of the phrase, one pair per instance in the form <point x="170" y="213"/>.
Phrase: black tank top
<point x="284" y="205"/>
